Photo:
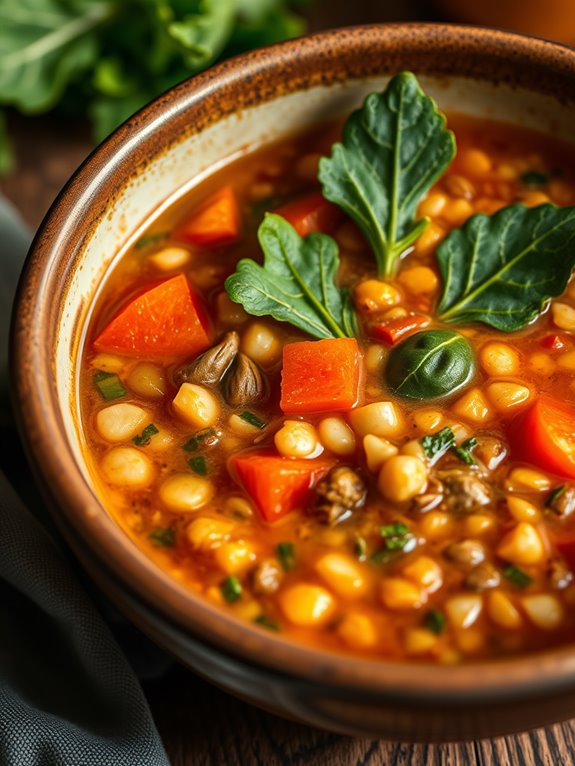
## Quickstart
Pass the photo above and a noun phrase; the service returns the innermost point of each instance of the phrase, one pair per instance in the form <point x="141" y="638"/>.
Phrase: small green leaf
<point x="144" y="438"/>
<point x="393" y="150"/>
<point x="517" y="576"/>
<point x="286" y="556"/>
<point x="296" y="283"/>
<point x="231" y="589"/>
<point x="109" y="385"/>
<point x="429" y="365"/>
<point x="253" y="420"/>
<point x="198" y="465"/>
<point x="397" y="536"/>
<point x="502" y="269"/>
<point x="267" y="622"/>
<point x="464" y="451"/>
<point x="436" y="445"/>
<point x="163" y="538"/>
<point x="534" y="178"/>
<point x="435" y="621"/>
<point x="151" y="239"/>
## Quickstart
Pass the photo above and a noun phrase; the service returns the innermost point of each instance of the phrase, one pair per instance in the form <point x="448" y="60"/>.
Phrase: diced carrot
<point x="311" y="213"/>
<point x="545" y="435"/>
<point x="320" y="375"/>
<point x="396" y="329"/>
<point x="167" y="319"/>
<point x="554" y="342"/>
<point x="215" y="222"/>
<point x="276" y="484"/>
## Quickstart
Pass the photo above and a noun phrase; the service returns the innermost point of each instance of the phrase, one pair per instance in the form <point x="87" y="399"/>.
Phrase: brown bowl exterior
<point x="341" y="693"/>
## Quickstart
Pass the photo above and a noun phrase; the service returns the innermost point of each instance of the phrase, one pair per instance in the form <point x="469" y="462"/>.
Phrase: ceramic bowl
<point x="169" y="146"/>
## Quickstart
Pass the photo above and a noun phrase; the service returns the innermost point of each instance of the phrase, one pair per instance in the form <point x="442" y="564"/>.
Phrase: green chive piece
<point x="109" y="385"/>
<point x="464" y="451"/>
<point x="398" y="539"/>
<point x="435" y="621"/>
<point x="267" y="622"/>
<point x="253" y="420"/>
<point x="198" y="465"/>
<point x="534" y="178"/>
<point x="163" y="538"/>
<point x="436" y="445"/>
<point x="144" y="438"/>
<point x="150" y="239"/>
<point x="517" y="576"/>
<point x="383" y="555"/>
<point x="207" y="438"/>
<point x="360" y="548"/>
<point x="231" y="589"/>
<point x="286" y="555"/>
<point x="554" y="495"/>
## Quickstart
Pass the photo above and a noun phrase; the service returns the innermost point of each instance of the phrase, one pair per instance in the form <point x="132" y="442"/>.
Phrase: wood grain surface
<point x="200" y="725"/>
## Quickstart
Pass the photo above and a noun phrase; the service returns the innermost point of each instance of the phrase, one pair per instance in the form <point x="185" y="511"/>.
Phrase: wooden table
<point x="200" y="725"/>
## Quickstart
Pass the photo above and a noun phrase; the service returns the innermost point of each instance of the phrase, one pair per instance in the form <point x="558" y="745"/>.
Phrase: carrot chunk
<point x="311" y="213"/>
<point x="277" y="485"/>
<point x="167" y="319"/>
<point x="215" y="222"/>
<point x="320" y="375"/>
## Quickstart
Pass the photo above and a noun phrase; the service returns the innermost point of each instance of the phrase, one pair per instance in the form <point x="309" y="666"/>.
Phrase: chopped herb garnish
<point x="534" y="178"/>
<point x="384" y="555"/>
<point x="360" y="548"/>
<point x="151" y="239"/>
<point x="286" y="555"/>
<point x="144" y="438"/>
<point x="397" y="538"/>
<point x="436" y="445"/>
<point x="267" y="622"/>
<point x="207" y="438"/>
<point x="554" y="495"/>
<point x="162" y="537"/>
<point x="198" y="465"/>
<point x="253" y="420"/>
<point x="517" y="576"/>
<point x="463" y="452"/>
<point x="435" y="621"/>
<point x="109" y="385"/>
<point x="231" y="589"/>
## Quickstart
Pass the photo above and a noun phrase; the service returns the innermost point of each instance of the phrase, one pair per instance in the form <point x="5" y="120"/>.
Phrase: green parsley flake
<point x="231" y="589"/>
<point x="163" y="538"/>
<point x="464" y="451"/>
<point x="435" y="621"/>
<point x="267" y="622"/>
<point x="286" y="556"/>
<point x="517" y="576"/>
<point x="198" y="465"/>
<point x="436" y="445"/>
<point x="144" y="438"/>
<point x="109" y="385"/>
<point x="253" y="420"/>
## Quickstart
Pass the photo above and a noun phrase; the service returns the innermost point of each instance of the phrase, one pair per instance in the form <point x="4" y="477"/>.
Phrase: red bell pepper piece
<point x="394" y="330"/>
<point x="311" y="213"/>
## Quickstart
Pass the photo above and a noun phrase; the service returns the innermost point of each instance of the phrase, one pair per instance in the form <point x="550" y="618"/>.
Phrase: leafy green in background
<point x="108" y="58"/>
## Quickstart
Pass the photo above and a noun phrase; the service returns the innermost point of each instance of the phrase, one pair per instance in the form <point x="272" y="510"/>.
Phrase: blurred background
<point x="72" y="70"/>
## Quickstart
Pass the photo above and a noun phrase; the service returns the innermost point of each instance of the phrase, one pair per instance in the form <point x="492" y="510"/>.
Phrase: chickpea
<point x="127" y="467"/>
<point x="401" y="478"/>
<point x="297" y="438"/>
<point x="184" y="492"/>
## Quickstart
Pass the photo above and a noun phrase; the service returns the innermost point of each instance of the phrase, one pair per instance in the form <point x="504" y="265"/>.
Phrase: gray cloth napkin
<point x="68" y="696"/>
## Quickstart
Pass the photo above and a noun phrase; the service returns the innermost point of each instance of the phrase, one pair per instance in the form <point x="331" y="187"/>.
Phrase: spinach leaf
<point x="393" y="150"/>
<point x="296" y="283"/>
<point x="501" y="269"/>
<point x="430" y="364"/>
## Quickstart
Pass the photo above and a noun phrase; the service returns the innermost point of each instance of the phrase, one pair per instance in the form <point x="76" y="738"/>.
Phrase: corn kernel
<point x="401" y="478"/>
<point x="477" y="524"/>
<point x="473" y="406"/>
<point x="196" y="405"/>
<point x="234" y="557"/>
<point x="463" y="610"/>
<point x="400" y="594"/>
<point x="505" y="395"/>
<point x="419" y="280"/>
<point x="528" y="480"/>
<point x="375" y="295"/>
<point x="379" y="419"/>
<point x="523" y="510"/>
<point x="502" y="612"/>
<point x="522" y="545"/>
<point x="428" y="421"/>
<point x="544" y="610"/>
<point x="358" y="631"/>
<point x="437" y="525"/>
<point x="296" y="438"/>
<point x="425" y="572"/>
<point x="307" y="605"/>
<point x="419" y="641"/>
<point x="337" y="436"/>
<point x="429" y="240"/>
<point x="498" y="359"/>
<point x="342" y="574"/>
<point x="205" y="533"/>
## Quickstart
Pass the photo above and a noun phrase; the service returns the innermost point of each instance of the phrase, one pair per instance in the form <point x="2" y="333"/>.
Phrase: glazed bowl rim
<point x="65" y="228"/>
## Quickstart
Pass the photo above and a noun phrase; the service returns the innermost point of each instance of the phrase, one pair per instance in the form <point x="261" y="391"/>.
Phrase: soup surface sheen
<point x="325" y="509"/>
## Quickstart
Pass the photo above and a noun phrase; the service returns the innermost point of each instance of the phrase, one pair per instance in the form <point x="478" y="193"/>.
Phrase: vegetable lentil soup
<point x="333" y="388"/>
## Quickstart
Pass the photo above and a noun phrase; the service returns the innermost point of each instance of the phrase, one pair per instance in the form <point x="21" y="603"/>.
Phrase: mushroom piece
<point x="467" y="553"/>
<point x="210" y="367"/>
<point x="338" y="494"/>
<point x="562" y="501"/>
<point x="266" y="577"/>
<point x="559" y="574"/>
<point x="244" y="383"/>
<point x="490" y="451"/>
<point x="464" y="492"/>
<point x="482" y="577"/>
